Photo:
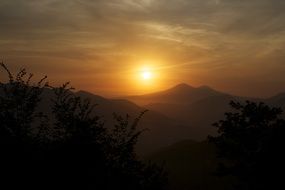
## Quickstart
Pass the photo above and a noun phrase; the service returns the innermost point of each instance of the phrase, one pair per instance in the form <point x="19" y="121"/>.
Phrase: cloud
<point x="195" y="34"/>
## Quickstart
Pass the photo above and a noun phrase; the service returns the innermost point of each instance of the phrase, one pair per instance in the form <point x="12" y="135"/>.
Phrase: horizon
<point x="122" y="95"/>
<point x="131" y="47"/>
<point x="125" y="96"/>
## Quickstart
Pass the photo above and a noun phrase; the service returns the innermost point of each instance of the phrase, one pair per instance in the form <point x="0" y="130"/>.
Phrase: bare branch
<point x="11" y="78"/>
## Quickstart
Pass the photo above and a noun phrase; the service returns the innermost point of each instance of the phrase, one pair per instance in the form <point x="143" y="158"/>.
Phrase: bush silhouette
<point x="251" y="140"/>
<point x="67" y="147"/>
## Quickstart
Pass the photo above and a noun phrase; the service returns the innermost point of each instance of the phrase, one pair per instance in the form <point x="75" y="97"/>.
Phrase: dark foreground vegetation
<point x="61" y="144"/>
<point x="252" y="143"/>
<point x="69" y="148"/>
<point x="247" y="154"/>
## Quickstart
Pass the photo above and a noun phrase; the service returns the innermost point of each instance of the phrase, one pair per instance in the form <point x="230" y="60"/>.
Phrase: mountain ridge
<point x="188" y="115"/>
<point x="179" y="94"/>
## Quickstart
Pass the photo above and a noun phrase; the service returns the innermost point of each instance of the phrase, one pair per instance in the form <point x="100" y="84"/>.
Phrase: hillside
<point x="278" y="100"/>
<point x="179" y="94"/>
<point x="198" y="108"/>
<point x="161" y="130"/>
<point x="191" y="165"/>
<point x="181" y="112"/>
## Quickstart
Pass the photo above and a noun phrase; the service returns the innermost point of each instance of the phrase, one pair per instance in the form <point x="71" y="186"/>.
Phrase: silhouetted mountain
<point x="106" y="107"/>
<point x="160" y="129"/>
<point x="180" y="94"/>
<point x="196" y="108"/>
<point x="278" y="100"/>
<point x="191" y="165"/>
<point x="181" y="112"/>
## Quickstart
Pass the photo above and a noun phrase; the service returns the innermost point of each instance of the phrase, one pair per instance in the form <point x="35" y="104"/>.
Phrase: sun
<point x="146" y="75"/>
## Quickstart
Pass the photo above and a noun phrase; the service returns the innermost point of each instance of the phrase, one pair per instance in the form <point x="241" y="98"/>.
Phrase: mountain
<point x="195" y="107"/>
<point x="181" y="112"/>
<point x="191" y="165"/>
<point x="278" y="100"/>
<point x="198" y="108"/>
<point x="180" y="94"/>
<point x="161" y="130"/>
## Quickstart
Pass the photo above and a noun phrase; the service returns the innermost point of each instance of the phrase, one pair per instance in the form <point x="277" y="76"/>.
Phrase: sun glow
<point x="146" y="75"/>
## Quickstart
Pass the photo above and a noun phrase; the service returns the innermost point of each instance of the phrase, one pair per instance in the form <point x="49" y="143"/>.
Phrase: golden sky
<point x="236" y="46"/>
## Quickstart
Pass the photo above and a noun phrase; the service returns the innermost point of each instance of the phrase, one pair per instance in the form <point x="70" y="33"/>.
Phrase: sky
<point x="102" y="46"/>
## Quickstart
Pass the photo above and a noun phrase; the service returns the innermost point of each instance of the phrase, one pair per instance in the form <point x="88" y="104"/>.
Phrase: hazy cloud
<point x="194" y="34"/>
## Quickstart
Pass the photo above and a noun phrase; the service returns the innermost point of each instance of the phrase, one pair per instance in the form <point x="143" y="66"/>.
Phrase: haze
<point x="233" y="46"/>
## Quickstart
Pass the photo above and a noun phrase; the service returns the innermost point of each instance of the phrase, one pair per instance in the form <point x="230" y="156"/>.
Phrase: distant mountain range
<point x="179" y="113"/>
<point x="161" y="130"/>
<point x="198" y="108"/>
<point x="180" y="94"/>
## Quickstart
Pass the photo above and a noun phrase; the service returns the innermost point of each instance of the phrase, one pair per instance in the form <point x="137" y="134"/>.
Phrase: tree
<point x="67" y="147"/>
<point x="18" y="102"/>
<point x="251" y="141"/>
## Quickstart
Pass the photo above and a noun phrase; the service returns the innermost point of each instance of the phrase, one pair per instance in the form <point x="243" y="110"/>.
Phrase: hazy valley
<point x="180" y="113"/>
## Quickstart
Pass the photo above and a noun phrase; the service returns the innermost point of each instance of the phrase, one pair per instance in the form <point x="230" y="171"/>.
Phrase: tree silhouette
<point x="67" y="147"/>
<point x="251" y="140"/>
<point x="18" y="102"/>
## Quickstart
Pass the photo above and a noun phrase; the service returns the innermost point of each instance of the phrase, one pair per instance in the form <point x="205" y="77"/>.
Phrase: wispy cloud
<point x="208" y="34"/>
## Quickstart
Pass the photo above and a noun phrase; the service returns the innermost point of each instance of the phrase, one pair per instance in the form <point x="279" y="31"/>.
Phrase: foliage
<point x="18" y="102"/>
<point x="67" y="146"/>
<point x="251" y="140"/>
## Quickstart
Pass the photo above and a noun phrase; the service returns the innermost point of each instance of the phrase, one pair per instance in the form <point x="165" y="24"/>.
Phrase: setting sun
<point x="146" y="75"/>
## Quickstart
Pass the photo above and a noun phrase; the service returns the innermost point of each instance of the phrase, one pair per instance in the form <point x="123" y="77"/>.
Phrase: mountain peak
<point x="182" y="86"/>
<point x="205" y="87"/>
<point x="179" y="94"/>
<point x="89" y="95"/>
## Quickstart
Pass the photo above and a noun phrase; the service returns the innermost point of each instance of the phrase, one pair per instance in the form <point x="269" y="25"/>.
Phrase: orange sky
<point x="100" y="46"/>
